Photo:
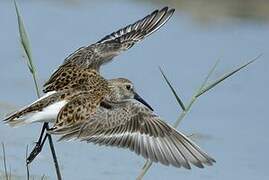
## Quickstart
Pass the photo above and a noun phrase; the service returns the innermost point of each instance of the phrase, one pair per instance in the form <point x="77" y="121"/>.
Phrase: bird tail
<point x="27" y="114"/>
<point x="15" y="120"/>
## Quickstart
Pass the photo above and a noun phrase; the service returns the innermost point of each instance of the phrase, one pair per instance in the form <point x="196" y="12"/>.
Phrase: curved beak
<point x="140" y="99"/>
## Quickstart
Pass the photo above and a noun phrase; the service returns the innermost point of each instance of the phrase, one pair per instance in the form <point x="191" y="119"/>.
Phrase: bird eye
<point x="128" y="86"/>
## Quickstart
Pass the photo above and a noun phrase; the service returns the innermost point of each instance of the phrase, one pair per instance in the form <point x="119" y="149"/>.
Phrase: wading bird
<point x="83" y="105"/>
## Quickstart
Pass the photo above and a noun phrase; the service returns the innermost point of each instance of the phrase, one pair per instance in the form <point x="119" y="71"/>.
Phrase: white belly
<point x="48" y="114"/>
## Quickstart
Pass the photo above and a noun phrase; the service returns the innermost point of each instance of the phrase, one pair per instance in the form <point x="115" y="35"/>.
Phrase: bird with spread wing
<point x="83" y="105"/>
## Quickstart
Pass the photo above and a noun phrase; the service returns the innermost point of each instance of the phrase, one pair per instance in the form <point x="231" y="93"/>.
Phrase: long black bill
<point x="140" y="99"/>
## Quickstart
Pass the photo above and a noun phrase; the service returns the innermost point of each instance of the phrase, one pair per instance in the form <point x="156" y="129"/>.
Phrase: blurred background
<point x="231" y="120"/>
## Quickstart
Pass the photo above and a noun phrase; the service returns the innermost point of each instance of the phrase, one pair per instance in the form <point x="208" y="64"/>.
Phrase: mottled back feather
<point x="95" y="55"/>
<point x="78" y="109"/>
<point x="83" y="81"/>
<point x="73" y="77"/>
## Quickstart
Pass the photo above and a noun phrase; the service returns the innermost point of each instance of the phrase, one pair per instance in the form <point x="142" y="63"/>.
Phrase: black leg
<point x="38" y="147"/>
<point x="41" y="134"/>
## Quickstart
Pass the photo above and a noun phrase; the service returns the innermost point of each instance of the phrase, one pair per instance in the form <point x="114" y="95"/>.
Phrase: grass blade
<point x="194" y="98"/>
<point x="186" y="109"/>
<point x="5" y="161"/>
<point x="9" y="175"/>
<point x="208" y="76"/>
<point x="144" y="170"/>
<point x="24" y="39"/>
<point x="43" y="177"/>
<point x="201" y="90"/>
<point x="26" y="46"/>
<point x="180" y="102"/>
<point x="225" y="76"/>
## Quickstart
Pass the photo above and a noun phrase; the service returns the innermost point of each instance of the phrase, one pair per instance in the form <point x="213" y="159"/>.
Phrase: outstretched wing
<point x="95" y="55"/>
<point x="123" y="39"/>
<point x="141" y="28"/>
<point x="132" y="125"/>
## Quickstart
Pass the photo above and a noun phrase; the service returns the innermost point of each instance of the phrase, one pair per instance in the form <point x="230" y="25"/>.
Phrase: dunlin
<point x="83" y="105"/>
<point x="113" y="115"/>
<point x="87" y="60"/>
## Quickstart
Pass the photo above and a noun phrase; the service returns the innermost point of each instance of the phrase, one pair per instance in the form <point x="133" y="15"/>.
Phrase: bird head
<point x="123" y="89"/>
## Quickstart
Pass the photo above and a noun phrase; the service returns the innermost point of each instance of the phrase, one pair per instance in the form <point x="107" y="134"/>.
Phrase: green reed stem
<point x="27" y="49"/>
<point x="186" y="109"/>
<point x="5" y="161"/>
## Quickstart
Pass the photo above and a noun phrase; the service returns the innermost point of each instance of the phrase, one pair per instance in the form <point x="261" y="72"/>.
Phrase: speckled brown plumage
<point x="82" y="105"/>
<point x="86" y="82"/>
<point x="78" y="109"/>
<point x="73" y="77"/>
<point x="103" y="51"/>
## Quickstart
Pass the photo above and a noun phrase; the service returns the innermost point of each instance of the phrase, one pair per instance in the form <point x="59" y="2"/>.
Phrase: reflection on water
<point x="231" y="120"/>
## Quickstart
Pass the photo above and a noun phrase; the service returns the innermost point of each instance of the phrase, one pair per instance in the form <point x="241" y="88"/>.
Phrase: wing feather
<point x="141" y="28"/>
<point x="143" y="132"/>
<point x="132" y="125"/>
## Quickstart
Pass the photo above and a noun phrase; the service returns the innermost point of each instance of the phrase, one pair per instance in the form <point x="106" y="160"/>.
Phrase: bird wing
<point x="132" y="125"/>
<point x="106" y="49"/>
<point x="123" y="39"/>
<point x="141" y="28"/>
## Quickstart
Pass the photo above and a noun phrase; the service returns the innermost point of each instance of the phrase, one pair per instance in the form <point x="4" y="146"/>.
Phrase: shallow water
<point x="232" y="118"/>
